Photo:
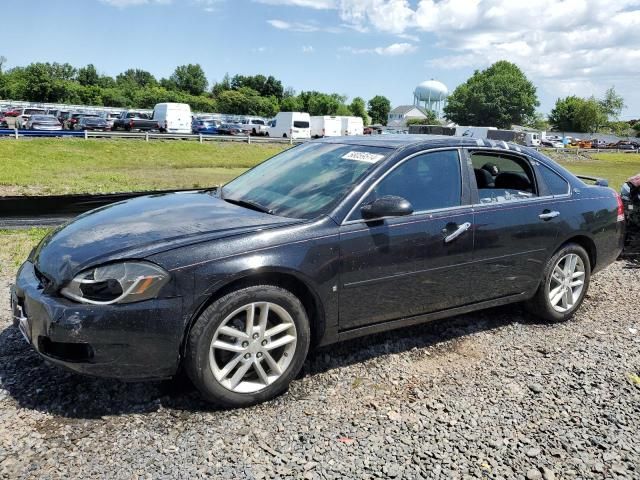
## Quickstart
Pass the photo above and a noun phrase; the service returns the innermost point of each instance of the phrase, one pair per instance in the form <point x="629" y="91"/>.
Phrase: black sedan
<point x="326" y="241"/>
<point x="92" y="123"/>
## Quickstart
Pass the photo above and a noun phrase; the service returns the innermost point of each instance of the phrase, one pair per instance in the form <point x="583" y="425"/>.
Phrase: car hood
<point x="141" y="227"/>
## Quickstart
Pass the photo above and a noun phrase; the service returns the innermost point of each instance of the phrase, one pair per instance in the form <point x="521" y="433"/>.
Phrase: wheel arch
<point x="289" y="280"/>
<point x="586" y="242"/>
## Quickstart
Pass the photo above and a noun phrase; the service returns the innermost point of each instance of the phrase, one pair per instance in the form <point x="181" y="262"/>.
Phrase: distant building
<point x="398" y="116"/>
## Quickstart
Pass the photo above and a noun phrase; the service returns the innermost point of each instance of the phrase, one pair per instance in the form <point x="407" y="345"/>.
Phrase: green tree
<point x="563" y="114"/>
<point x="222" y="86"/>
<point x="291" y="104"/>
<point x="265" y="86"/>
<point x="88" y="75"/>
<point x="499" y="96"/>
<point x="359" y="109"/>
<point x="538" y="121"/>
<point x="590" y="116"/>
<point x="136" y="77"/>
<point x="575" y="114"/>
<point x="379" y="108"/>
<point x="190" y="78"/>
<point x="63" y="71"/>
<point x="612" y="104"/>
<point x="38" y="86"/>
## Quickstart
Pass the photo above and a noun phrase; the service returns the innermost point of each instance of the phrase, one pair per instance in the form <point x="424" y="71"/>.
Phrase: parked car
<point x="12" y="112"/>
<point x="3" y="121"/>
<point x="109" y="117"/>
<point x="92" y="123"/>
<point x="71" y="120"/>
<point x="551" y="143"/>
<point x="43" y="122"/>
<point x="230" y="129"/>
<point x="206" y="127"/>
<point x="172" y="117"/>
<point x="24" y="114"/>
<point x="326" y="241"/>
<point x="253" y="126"/>
<point x="290" y="125"/>
<point x="130" y="120"/>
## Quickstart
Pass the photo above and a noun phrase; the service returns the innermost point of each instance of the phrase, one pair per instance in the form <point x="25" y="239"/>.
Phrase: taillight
<point x="620" y="208"/>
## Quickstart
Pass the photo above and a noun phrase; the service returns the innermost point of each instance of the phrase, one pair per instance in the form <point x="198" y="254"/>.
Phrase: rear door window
<point x="503" y="178"/>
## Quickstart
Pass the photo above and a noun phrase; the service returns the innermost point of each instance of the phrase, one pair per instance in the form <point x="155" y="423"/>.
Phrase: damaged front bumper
<point x="130" y="341"/>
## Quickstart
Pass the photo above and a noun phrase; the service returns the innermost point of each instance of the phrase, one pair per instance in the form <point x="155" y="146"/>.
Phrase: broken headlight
<point x="123" y="282"/>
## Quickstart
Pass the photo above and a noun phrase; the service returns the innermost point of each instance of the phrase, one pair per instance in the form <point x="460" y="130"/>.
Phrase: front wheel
<point x="564" y="284"/>
<point x="247" y="346"/>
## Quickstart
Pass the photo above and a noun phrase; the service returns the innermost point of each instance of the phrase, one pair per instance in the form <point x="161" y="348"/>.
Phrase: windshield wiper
<point x="249" y="204"/>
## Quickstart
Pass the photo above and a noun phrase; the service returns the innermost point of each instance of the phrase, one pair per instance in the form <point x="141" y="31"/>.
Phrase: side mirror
<point x="387" y="206"/>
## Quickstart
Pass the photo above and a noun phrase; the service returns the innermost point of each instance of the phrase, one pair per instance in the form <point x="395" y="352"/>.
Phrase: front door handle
<point x="459" y="231"/>
<point x="548" y="215"/>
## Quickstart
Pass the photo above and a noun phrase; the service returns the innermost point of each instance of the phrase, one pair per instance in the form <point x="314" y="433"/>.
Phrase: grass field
<point x="57" y="166"/>
<point x="615" y="167"/>
<point x="16" y="245"/>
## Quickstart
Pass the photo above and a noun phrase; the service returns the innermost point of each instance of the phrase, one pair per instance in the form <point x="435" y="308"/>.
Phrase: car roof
<point x="419" y="140"/>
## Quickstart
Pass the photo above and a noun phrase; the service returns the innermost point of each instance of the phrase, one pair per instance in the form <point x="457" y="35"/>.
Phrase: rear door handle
<point x="459" y="231"/>
<point x="547" y="215"/>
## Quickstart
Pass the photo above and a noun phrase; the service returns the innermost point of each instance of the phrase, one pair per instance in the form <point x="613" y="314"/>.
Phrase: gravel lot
<point x="491" y="395"/>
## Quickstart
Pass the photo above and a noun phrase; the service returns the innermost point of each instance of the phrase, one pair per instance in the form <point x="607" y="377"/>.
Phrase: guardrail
<point x="86" y="134"/>
<point x="146" y="136"/>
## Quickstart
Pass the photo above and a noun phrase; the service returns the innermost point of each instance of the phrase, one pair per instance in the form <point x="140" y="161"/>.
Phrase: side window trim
<point x="465" y="198"/>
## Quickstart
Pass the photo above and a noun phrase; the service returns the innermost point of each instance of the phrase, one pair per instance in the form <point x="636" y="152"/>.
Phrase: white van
<point x="325" y="126"/>
<point x="352" y="126"/>
<point x="290" y="125"/>
<point x="173" y="117"/>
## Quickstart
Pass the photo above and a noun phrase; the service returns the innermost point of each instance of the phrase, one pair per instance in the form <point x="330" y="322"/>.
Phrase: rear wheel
<point x="247" y="346"/>
<point x="284" y="135"/>
<point x="564" y="284"/>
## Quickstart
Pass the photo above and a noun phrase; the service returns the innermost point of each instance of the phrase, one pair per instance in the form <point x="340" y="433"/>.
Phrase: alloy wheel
<point x="566" y="283"/>
<point x="253" y="347"/>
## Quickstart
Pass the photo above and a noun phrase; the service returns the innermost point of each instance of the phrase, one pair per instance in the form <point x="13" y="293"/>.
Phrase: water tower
<point x="431" y="95"/>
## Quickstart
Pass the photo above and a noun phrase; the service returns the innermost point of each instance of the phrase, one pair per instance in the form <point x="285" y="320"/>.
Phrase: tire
<point x="215" y="370"/>
<point x="266" y="134"/>
<point x="541" y="304"/>
<point x="284" y="135"/>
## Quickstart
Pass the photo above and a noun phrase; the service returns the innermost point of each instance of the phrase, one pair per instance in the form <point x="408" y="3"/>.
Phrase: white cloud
<point x="561" y="44"/>
<point x="209" y="6"/>
<point x="391" y="50"/>
<point x="315" y="4"/>
<point x="307" y="49"/>
<point x="300" y="27"/>
<point x="295" y="27"/>
<point x="133" y="3"/>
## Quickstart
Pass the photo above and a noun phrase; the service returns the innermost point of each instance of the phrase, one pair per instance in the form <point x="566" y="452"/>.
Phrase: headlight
<point x="123" y="282"/>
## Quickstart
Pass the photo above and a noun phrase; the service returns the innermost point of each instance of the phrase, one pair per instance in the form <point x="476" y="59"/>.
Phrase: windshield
<point x="305" y="181"/>
<point x="33" y="111"/>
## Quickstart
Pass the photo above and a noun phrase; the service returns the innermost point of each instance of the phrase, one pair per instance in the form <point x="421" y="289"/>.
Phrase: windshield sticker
<point x="363" y="157"/>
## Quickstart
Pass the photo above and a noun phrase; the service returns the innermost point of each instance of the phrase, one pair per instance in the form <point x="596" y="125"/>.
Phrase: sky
<point x="352" y="47"/>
